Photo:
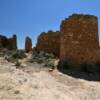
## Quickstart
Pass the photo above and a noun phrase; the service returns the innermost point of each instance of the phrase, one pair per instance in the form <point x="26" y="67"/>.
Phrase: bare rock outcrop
<point x="49" y="42"/>
<point x="28" y="44"/>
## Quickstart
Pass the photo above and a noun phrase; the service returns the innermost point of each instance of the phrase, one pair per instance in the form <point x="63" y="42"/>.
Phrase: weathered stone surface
<point x="13" y="42"/>
<point x="49" y="42"/>
<point x="28" y="44"/>
<point x="79" y="38"/>
<point x="8" y="43"/>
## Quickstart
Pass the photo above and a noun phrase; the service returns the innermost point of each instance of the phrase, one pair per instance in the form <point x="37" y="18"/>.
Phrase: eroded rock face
<point x="28" y="44"/>
<point x="8" y="43"/>
<point x="49" y="42"/>
<point x="79" y="38"/>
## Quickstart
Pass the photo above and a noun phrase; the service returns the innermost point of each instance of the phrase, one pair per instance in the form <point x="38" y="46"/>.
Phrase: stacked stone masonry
<point x="79" y="38"/>
<point x="8" y="43"/>
<point x="49" y="42"/>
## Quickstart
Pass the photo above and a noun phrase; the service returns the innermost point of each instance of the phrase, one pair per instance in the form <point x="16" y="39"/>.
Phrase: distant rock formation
<point x="49" y="42"/>
<point x="8" y="43"/>
<point x="79" y="38"/>
<point x="28" y="44"/>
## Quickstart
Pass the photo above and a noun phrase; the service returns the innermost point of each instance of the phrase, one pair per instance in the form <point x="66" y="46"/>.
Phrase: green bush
<point x="20" y="54"/>
<point x="17" y="63"/>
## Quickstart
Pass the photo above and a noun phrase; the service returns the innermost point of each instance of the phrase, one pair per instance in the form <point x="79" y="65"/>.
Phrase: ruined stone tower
<point x="12" y="42"/>
<point x="79" y="38"/>
<point x="8" y="43"/>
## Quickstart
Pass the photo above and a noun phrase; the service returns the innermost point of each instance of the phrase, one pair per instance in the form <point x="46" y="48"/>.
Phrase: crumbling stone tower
<point x="28" y="44"/>
<point x="8" y="43"/>
<point x="12" y="42"/>
<point x="79" y="38"/>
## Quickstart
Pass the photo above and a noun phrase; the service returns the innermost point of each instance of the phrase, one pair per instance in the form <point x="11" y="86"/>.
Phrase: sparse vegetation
<point x="17" y="63"/>
<point x="43" y="58"/>
<point x="13" y="56"/>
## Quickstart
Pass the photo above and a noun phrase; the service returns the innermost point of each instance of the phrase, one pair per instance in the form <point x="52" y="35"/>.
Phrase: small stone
<point x="17" y="92"/>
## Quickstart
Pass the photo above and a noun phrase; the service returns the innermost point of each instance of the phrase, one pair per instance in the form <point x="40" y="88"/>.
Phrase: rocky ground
<point x="33" y="82"/>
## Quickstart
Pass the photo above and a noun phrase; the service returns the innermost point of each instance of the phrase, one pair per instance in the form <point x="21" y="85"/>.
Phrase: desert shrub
<point x="40" y="61"/>
<point x="17" y="63"/>
<point x="20" y="54"/>
<point x="50" y="64"/>
<point x="13" y="56"/>
<point x="46" y="59"/>
<point x="41" y="57"/>
<point x="49" y="55"/>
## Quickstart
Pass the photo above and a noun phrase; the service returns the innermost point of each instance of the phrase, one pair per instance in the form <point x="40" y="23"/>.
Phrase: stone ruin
<point x="8" y="43"/>
<point x="28" y="44"/>
<point x="79" y="39"/>
<point x="49" y="42"/>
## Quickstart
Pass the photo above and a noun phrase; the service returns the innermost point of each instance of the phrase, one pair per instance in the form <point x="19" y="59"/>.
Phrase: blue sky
<point x="31" y="17"/>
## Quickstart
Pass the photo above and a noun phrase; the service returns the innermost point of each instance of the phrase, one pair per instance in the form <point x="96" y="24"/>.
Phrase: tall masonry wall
<point x="79" y="40"/>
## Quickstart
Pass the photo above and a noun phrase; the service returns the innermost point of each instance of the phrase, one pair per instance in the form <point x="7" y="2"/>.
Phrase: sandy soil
<point x="35" y="83"/>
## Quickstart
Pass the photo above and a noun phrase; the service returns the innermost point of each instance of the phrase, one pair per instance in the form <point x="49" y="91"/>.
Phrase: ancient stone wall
<point x="49" y="42"/>
<point x="12" y="42"/>
<point x="8" y="43"/>
<point x="79" y="38"/>
<point x="28" y="44"/>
